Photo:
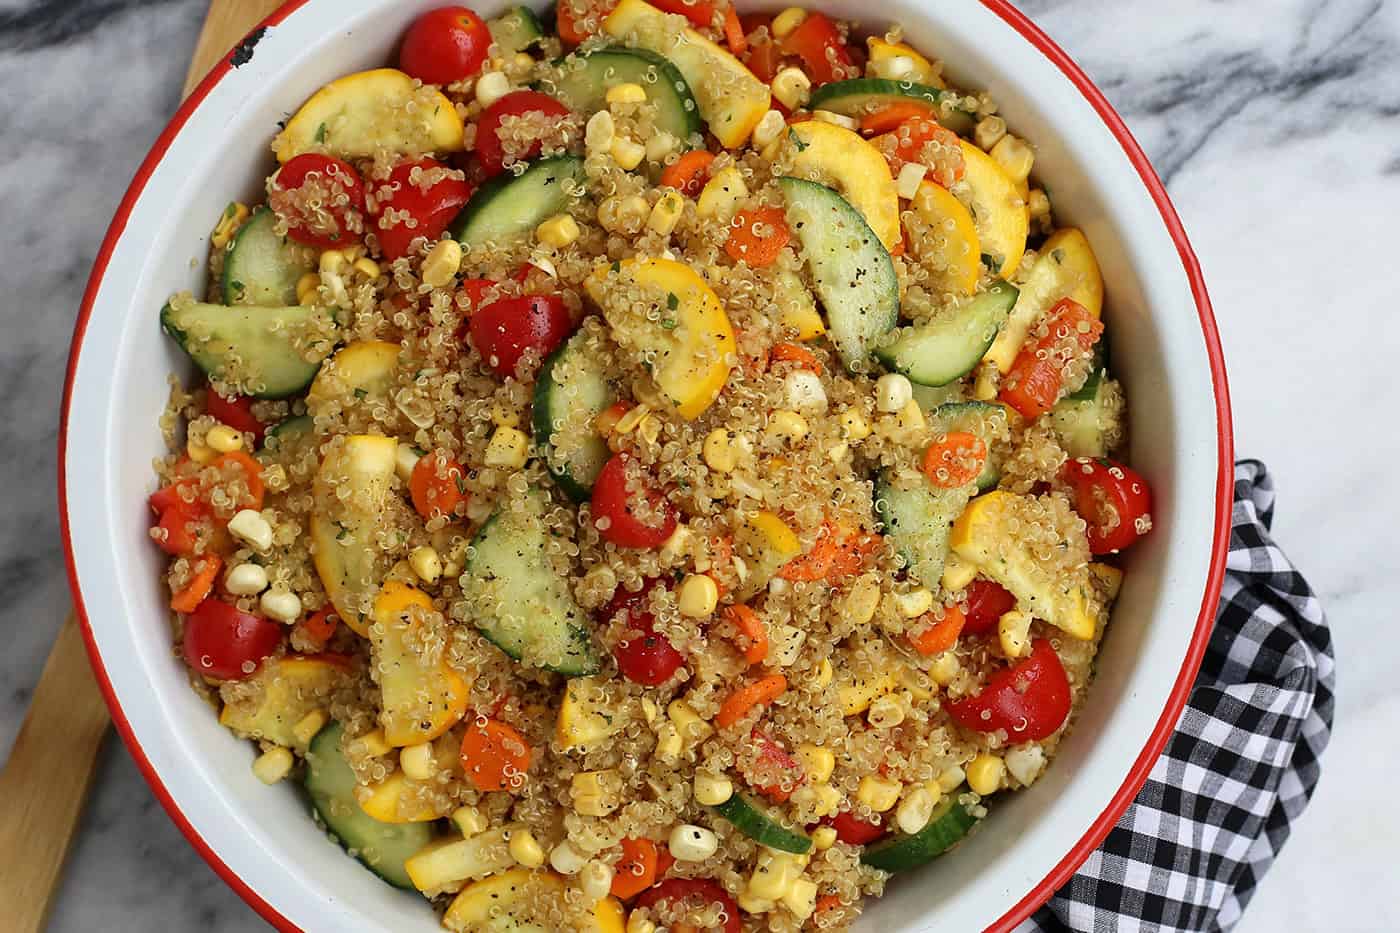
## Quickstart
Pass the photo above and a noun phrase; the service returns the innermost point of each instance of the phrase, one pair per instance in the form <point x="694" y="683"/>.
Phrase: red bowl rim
<point x="1224" y="495"/>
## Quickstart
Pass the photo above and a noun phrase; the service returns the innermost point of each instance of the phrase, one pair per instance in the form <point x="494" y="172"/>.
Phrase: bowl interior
<point x="263" y="836"/>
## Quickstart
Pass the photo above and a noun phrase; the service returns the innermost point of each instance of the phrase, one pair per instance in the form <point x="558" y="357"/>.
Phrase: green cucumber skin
<point x="261" y="268"/>
<point x="516" y="30"/>
<point x="848" y="97"/>
<point x="583" y="90"/>
<point x="947" y="349"/>
<point x="856" y="281"/>
<point x="578" y="488"/>
<point x="752" y="822"/>
<point x="495" y="212"/>
<point x="949" y="824"/>
<point x="920" y="521"/>
<point x="331" y="785"/>
<point x="248" y="328"/>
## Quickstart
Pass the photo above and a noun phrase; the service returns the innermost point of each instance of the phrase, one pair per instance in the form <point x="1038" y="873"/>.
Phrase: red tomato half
<point x="236" y="412"/>
<point x="445" y="45"/>
<point x="818" y="43"/>
<point x="222" y="642"/>
<point x="614" y="508"/>
<point x="1030" y="699"/>
<point x="322" y="200"/>
<point x="503" y="330"/>
<point x="648" y="659"/>
<point x="699" y="891"/>
<point x="514" y="104"/>
<point x="987" y="602"/>
<point x="854" y="831"/>
<point x="1112" y="499"/>
<point x="431" y="203"/>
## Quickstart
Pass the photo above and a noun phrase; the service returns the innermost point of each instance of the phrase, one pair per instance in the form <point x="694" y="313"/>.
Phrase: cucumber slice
<point x="260" y="351"/>
<point x="509" y="205"/>
<point x="517" y="601"/>
<point x="852" y="270"/>
<point x="860" y="96"/>
<point x="1090" y="427"/>
<point x="262" y="268"/>
<point x="985" y="420"/>
<point x="582" y="80"/>
<point x="751" y="819"/>
<point x="948" y="348"/>
<point x="947" y="826"/>
<point x="571" y="391"/>
<point x="919" y="521"/>
<point x="515" y="30"/>
<point x="382" y="847"/>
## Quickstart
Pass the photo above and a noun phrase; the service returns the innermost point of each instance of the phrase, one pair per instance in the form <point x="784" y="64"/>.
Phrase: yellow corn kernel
<point x="957" y="574"/>
<point x="199" y="453"/>
<point x="501" y="416"/>
<point x="1014" y="633"/>
<point x="919" y="685"/>
<point x="224" y="439"/>
<point x="896" y="61"/>
<point x="1038" y="203"/>
<point x="911" y="418"/>
<point x="491" y="87"/>
<point x="426" y="563"/>
<point x="854" y="425"/>
<point x="836" y="119"/>
<point x="984" y="388"/>
<point x="375" y="745"/>
<point x="719" y="451"/>
<point x="558" y="231"/>
<point x="659" y="146"/>
<point x="878" y="793"/>
<point x="627" y="153"/>
<point x="984" y="774"/>
<point x="507" y="449"/>
<point x="774" y="874"/>
<point x="913" y="604"/>
<point x="417" y="761"/>
<point x="698" y="596"/>
<point x="792" y="87"/>
<point x="786" y="21"/>
<point x="469" y="821"/>
<point x="826" y="800"/>
<point x="1015" y="158"/>
<point x="885" y="712"/>
<point x="628" y="93"/>
<point x="594" y="792"/>
<point x="914" y="811"/>
<point x="823" y="838"/>
<point x="442" y="262"/>
<point x="767" y="129"/>
<point x="307" y="726"/>
<point x="817" y="762"/>
<point x="332" y="262"/>
<point x="945" y="667"/>
<point x="526" y="849"/>
<point x="824" y="674"/>
<point x="669" y="743"/>
<point x="368" y="267"/>
<point x="688" y="722"/>
<point x="911" y="176"/>
<point x="666" y="213"/>
<point x="787" y="425"/>
<point x="712" y="789"/>
<point x="308" y="288"/>
<point x="721" y="195"/>
<point x="801" y="898"/>
<point x="229" y="222"/>
<point x="951" y="779"/>
<point x="862" y="599"/>
<point x="678" y="545"/>
<point x="272" y="765"/>
<point x="988" y="132"/>
<point x="599" y="131"/>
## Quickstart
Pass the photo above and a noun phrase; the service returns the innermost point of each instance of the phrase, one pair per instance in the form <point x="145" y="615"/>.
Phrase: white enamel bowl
<point x="262" y="841"/>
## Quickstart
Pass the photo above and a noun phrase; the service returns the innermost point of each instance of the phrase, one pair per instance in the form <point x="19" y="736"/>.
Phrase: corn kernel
<point x="252" y="529"/>
<point x="593" y="794"/>
<point x="835" y="119"/>
<point x="774" y="873"/>
<point x="272" y="765"/>
<point x="984" y="387"/>
<point x="911" y="176"/>
<point x="246" y="580"/>
<point x="824" y="674"/>
<point x="957" y="574"/>
<point x="442" y="262"/>
<point x="565" y="859"/>
<point x="854" y="425"/>
<point x="862" y="600"/>
<point x="885" y="712"/>
<point x="375" y="745"/>
<point x="895" y="68"/>
<point x="914" y="812"/>
<point x="491" y="87"/>
<point x="826" y="800"/>
<point x="1025" y="762"/>
<point x="417" y="761"/>
<point x="280" y="605"/>
<point x="426" y="563"/>
<point x="823" y="838"/>
<point x="332" y="262"/>
<point x="525" y="849"/>
<point x="558" y="231"/>
<point x="469" y="820"/>
<point x="224" y="439"/>
<point x="1038" y="203"/>
<point x="878" y="793"/>
<point x="628" y="93"/>
<point x="595" y="880"/>
<point x="944" y="668"/>
<point x="406" y="457"/>
<point x="627" y="153"/>
<point x="678" y="545"/>
<point x="507" y="449"/>
<point x="368" y="267"/>
<point x="989" y="131"/>
<point x="786" y="21"/>
<point x="792" y="87"/>
<point x="691" y="843"/>
<point x="801" y="898"/>
<point x="804" y="391"/>
<point x="688" y="722"/>
<point x="719" y="451"/>
<point x="229" y="222"/>
<point x="199" y="453"/>
<point x="769" y="128"/>
<point x="659" y="146"/>
<point x="892" y="392"/>
<point x="787" y="425"/>
<point x="951" y="779"/>
<point x="636" y="924"/>
<point x="1015" y="158"/>
<point x="914" y="603"/>
<point x="599" y="131"/>
<point x="698" y="596"/>
<point x="721" y="195"/>
<point x="817" y="762"/>
<point x="712" y="789"/>
<point x="1013" y="631"/>
<point x="308" y="288"/>
<point x="984" y="774"/>
<point x="669" y="744"/>
<point x="309" y="725"/>
<point x="911" y="419"/>
<point x="666" y="213"/>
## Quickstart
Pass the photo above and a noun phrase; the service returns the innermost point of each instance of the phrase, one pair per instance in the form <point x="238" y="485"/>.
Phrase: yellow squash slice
<point x="588" y="715"/>
<point x="839" y="158"/>
<point x="393" y="801"/>
<point x="999" y="211"/>
<point x="764" y="543"/>
<point x="363" y="368"/>
<point x="420" y="702"/>
<point x="368" y="112"/>
<point x="518" y="901"/>
<point x="1065" y="267"/>
<point x="290" y="687"/>
<point x="945" y="238"/>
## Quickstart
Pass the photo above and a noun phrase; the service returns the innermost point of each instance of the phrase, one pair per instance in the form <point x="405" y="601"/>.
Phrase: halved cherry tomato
<point x="236" y="412"/>
<point x="987" y="602"/>
<point x="1033" y="385"/>
<point x="321" y="198"/>
<point x="615" y="508"/>
<point x="765" y="58"/>
<point x="1030" y="700"/>
<point x="701" y="13"/>
<point x="503" y="330"/>
<point x="757" y="236"/>
<point x="445" y="45"/>
<point x="818" y="43"/>
<point x="954" y="460"/>
<point x="853" y="830"/>
<point x="689" y="173"/>
<point x="939" y="633"/>
<point x="179" y="527"/>
<point x="648" y="659"/>
<point x="430" y="204"/>
<point x="494" y="755"/>
<point x="437" y="486"/>
<point x="907" y="143"/>
<point x="225" y="643"/>
<point x="636" y="870"/>
<point x="699" y="891"/>
<point x="1113" y="499"/>
<point x="514" y="104"/>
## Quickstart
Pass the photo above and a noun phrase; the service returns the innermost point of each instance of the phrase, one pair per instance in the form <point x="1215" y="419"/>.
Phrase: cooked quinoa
<point x="626" y="506"/>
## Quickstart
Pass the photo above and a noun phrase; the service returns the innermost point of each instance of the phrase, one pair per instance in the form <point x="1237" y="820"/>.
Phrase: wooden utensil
<point x="50" y="768"/>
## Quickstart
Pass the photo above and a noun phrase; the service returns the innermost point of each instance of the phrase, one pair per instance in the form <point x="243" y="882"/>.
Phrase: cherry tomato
<point x="236" y="412"/>
<point x="853" y="830"/>
<point x="699" y="891"/>
<point x="322" y="200"/>
<point x="514" y="104"/>
<point x="1030" y="699"/>
<point x="445" y="45"/>
<point x="179" y="536"/>
<point x="431" y="203"/>
<point x="987" y="602"/>
<point x="701" y="13"/>
<point x="613" y="508"/>
<point x="648" y="659"/>
<point x="818" y="43"/>
<point x="1113" y="499"/>
<point x="503" y="330"/>
<point x="224" y="643"/>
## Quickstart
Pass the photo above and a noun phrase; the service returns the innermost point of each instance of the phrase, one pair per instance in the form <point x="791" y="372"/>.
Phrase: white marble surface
<point x="1276" y="124"/>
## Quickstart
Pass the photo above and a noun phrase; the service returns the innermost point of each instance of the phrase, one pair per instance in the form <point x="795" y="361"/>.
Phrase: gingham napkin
<point x="1241" y="765"/>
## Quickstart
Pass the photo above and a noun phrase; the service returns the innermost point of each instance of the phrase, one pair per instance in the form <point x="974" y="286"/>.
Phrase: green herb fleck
<point x="669" y="323"/>
<point x="616" y="267"/>
<point x="796" y="141"/>
<point x="672" y="302"/>
<point x="321" y="133"/>
<point x="230" y="210"/>
<point x="361" y="392"/>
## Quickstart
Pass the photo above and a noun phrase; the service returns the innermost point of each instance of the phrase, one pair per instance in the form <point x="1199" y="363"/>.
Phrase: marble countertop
<point x="1276" y="124"/>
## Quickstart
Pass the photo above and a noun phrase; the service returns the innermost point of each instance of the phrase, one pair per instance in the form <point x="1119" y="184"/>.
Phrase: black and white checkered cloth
<point x="1241" y="765"/>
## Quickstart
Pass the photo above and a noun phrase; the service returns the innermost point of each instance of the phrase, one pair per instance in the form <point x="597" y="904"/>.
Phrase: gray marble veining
<point x="1277" y="126"/>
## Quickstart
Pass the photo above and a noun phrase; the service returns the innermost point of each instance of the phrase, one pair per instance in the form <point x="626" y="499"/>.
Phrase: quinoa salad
<point x="648" y="468"/>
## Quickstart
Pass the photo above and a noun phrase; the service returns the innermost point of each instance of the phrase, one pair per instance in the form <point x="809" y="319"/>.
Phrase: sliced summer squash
<point x="393" y="800"/>
<point x="998" y="210"/>
<point x="858" y="97"/>
<point x="367" y="112"/>
<point x="839" y="158"/>
<point x="1065" y="267"/>
<point x="730" y="98"/>
<point x="419" y="703"/>
<point x="264" y="352"/>
<point x="689" y="339"/>
<point x="262" y="268"/>
<point x="358" y="371"/>
<point x="573" y="388"/>
<point x="764" y="543"/>
<point x="520" y="901"/>
<point x="588" y="714"/>
<point x="955" y="254"/>
<point x="291" y="687"/>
